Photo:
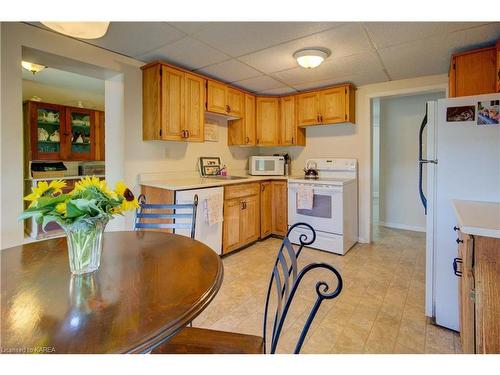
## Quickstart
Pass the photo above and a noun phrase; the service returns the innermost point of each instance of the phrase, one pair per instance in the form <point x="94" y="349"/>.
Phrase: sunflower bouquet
<point x="83" y="214"/>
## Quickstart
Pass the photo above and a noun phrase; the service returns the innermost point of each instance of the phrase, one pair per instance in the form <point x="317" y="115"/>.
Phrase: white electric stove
<point x="334" y="214"/>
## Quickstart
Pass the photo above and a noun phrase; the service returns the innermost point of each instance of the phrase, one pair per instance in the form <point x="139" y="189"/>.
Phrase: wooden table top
<point x="148" y="287"/>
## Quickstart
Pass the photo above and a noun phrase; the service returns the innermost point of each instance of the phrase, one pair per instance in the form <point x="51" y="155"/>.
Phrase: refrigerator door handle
<point x="421" y="162"/>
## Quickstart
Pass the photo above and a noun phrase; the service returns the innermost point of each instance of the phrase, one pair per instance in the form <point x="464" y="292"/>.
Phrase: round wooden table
<point x="149" y="286"/>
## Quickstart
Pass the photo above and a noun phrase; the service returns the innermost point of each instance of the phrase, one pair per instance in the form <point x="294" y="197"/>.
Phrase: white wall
<point x="400" y="119"/>
<point x="376" y="145"/>
<point x="62" y="95"/>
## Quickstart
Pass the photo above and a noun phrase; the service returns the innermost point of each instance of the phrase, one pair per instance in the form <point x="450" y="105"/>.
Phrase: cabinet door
<point x="475" y="73"/>
<point x="194" y="107"/>
<point x="231" y="236"/>
<point x="332" y="105"/>
<point x="80" y="134"/>
<point x="289" y="133"/>
<point x="99" y="135"/>
<point x="280" y="207"/>
<point x="467" y="332"/>
<point x="307" y="109"/>
<point x="172" y="111"/>
<point x="216" y="97"/>
<point x="236" y="102"/>
<point x="241" y="132"/>
<point x="250" y="219"/>
<point x="266" y="209"/>
<point x="267" y="119"/>
<point x="46" y="124"/>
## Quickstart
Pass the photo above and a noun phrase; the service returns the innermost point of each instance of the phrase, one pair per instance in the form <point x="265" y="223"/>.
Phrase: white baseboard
<point x="401" y="226"/>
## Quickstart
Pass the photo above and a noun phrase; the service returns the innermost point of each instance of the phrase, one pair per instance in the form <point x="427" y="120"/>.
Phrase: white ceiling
<point x="67" y="80"/>
<point x="257" y="56"/>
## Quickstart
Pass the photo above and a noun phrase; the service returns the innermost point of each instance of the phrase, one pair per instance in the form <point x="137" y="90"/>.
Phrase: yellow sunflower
<point x="129" y="201"/>
<point x="101" y="185"/>
<point x="61" y="208"/>
<point x="44" y="188"/>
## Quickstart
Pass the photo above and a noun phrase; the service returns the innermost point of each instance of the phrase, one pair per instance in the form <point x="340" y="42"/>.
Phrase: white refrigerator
<point x="458" y="160"/>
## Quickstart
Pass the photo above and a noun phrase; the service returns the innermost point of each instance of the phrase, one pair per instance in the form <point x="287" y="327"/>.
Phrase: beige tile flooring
<point x="380" y="310"/>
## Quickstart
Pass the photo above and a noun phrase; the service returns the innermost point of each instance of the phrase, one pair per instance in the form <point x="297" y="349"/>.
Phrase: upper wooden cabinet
<point x="498" y="65"/>
<point x="173" y="104"/>
<point x="224" y="100"/>
<point x="290" y="133"/>
<point x="474" y="72"/>
<point x="267" y="121"/>
<point x="330" y="106"/>
<point x="241" y="132"/>
<point x="56" y="132"/>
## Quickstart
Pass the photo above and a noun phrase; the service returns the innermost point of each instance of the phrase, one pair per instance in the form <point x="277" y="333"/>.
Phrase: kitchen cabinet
<point x="498" y="66"/>
<point x="241" y="132"/>
<point x="325" y="107"/>
<point x="241" y="216"/>
<point x="156" y="195"/>
<point x="173" y="104"/>
<point x="279" y="207"/>
<point x="224" y="100"/>
<point x="478" y="266"/>
<point x="267" y="121"/>
<point x="57" y="132"/>
<point x="473" y="72"/>
<point x="290" y="133"/>
<point x="266" y="209"/>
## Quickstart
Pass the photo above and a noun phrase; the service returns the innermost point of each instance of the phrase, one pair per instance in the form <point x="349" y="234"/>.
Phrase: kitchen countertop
<point x="186" y="183"/>
<point x="478" y="218"/>
<point x="62" y="178"/>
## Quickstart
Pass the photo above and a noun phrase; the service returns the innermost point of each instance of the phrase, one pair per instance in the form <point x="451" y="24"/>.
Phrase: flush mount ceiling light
<point x="311" y="57"/>
<point x="82" y="30"/>
<point x="32" y="67"/>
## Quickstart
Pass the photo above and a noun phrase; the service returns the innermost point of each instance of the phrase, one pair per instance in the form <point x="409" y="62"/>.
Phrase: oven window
<point x="322" y="207"/>
<point x="264" y="165"/>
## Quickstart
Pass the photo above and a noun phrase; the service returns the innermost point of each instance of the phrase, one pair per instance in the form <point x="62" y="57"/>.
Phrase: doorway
<point x="395" y="126"/>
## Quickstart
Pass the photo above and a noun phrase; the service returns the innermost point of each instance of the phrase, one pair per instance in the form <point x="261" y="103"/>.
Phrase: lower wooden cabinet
<point x="241" y="216"/>
<point x="279" y="208"/>
<point x="478" y="266"/>
<point x="266" y="209"/>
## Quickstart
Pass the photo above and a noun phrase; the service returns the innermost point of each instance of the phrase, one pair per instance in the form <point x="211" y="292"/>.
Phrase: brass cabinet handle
<point x="263" y="187"/>
<point x="318" y="118"/>
<point x="228" y="108"/>
<point x="247" y="140"/>
<point x="321" y="118"/>
<point x="187" y="133"/>
<point x="292" y="140"/>
<point x="183" y="135"/>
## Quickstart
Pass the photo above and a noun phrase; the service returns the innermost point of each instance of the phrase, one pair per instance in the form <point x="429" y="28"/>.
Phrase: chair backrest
<point x="165" y="216"/>
<point x="288" y="280"/>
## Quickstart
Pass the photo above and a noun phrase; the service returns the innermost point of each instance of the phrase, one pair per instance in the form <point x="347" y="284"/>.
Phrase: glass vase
<point x="85" y="246"/>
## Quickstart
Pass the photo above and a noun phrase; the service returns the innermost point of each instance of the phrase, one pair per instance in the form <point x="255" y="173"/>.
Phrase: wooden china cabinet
<point x="56" y="132"/>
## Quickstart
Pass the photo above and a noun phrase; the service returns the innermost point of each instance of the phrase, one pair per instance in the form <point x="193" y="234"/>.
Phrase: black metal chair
<point x="286" y="278"/>
<point x="156" y="218"/>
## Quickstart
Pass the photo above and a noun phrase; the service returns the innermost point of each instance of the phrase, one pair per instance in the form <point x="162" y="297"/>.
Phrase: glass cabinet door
<point x="81" y="133"/>
<point x="48" y="120"/>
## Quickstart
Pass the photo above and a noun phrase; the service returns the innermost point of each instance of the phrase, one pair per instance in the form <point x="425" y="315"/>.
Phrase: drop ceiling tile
<point x="188" y="53"/>
<point x="239" y="38"/>
<point x="348" y="39"/>
<point x="230" y="71"/>
<point x="331" y="69"/>
<point x="385" y="34"/>
<point x="136" y="38"/>
<point x="259" y="83"/>
<point x="191" y="27"/>
<point x="279" y="91"/>
<point x="432" y="55"/>
<point x="360" y="79"/>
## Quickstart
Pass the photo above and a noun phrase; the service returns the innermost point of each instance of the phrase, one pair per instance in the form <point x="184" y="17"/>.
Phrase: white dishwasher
<point x="210" y="235"/>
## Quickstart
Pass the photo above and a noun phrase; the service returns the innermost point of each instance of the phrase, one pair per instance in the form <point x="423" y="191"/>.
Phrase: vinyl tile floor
<point x="380" y="309"/>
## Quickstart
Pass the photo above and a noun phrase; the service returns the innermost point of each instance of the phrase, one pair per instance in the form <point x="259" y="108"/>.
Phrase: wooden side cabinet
<point x="325" y="107"/>
<point x="173" y="104"/>
<point x="280" y="207"/>
<point x="478" y="265"/>
<point x="266" y="209"/>
<point x="290" y="133"/>
<point x="241" y="132"/>
<point x="498" y="66"/>
<point x="474" y="72"/>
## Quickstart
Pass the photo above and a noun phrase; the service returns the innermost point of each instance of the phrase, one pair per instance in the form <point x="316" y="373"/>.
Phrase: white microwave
<point x="266" y="165"/>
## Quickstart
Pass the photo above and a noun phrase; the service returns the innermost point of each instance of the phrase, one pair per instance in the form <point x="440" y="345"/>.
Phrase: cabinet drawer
<point x="243" y="190"/>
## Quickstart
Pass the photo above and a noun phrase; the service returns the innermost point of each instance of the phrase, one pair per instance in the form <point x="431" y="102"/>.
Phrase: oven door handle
<point x="317" y="189"/>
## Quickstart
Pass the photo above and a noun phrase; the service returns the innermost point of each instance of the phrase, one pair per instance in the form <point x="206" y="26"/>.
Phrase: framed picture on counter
<point x="209" y="166"/>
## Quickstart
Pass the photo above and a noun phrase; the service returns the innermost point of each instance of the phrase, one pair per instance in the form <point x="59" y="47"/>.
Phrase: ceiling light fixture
<point x="311" y="57"/>
<point x="32" y="67"/>
<point x="82" y="30"/>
